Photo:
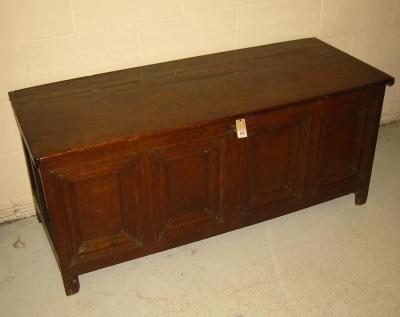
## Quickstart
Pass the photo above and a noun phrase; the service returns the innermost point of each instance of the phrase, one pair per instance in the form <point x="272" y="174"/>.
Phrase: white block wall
<point x="49" y="40"/>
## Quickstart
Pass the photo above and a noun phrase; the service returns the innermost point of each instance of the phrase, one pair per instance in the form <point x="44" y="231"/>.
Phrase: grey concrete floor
<point x="334" y="259"/>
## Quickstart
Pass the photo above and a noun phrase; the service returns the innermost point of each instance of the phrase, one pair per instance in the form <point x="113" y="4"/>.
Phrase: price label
<point x="241" y="128"/>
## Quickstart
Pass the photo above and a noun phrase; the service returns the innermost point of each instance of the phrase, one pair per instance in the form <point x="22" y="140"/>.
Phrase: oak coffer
<point x="132" y="162"/>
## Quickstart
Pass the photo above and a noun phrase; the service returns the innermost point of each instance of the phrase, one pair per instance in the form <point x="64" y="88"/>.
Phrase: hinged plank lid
<point x="74" y="114"/>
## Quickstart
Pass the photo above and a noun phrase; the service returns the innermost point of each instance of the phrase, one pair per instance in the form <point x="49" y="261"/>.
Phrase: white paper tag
<point x="241" y="128"/>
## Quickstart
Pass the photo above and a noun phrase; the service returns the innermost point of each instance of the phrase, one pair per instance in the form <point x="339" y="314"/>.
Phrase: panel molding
<point x="125" y="172"/>
<point x="291" y="187"/>
<point x="208" y="152"/>
<point x="359" y="114"/>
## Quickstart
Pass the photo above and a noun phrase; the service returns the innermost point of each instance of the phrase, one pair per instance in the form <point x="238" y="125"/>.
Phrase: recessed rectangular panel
<point x="270" y="164"/>
<point x="268" y="167"/>
<point x="275" y="165"/>
<point x="99" y="206"/>
<point x="187" y="180"/>
<point x="341" y="147"/>
<point x="340" y="144"/>
<point x="187" y="184"/>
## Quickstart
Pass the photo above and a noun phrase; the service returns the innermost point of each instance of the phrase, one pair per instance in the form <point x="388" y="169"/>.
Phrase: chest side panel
<point x="346" y="128"/>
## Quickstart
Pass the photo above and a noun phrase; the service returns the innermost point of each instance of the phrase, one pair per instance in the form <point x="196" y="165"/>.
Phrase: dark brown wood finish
<point x="132" y="162"/>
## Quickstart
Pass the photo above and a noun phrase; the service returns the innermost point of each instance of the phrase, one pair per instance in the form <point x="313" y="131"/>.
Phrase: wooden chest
<point x="132" y="162"/>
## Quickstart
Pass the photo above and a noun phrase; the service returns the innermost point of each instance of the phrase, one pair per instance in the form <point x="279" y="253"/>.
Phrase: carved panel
<point x="341" y="139"/>
<point x="188" y="186"/>
<point x="100" y="205"/>
<point x="275" y="164"/>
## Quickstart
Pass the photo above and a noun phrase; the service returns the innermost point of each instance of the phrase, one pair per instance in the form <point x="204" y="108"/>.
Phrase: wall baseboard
<point x="390" y="118"/>
<point x="16" y="209"/>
